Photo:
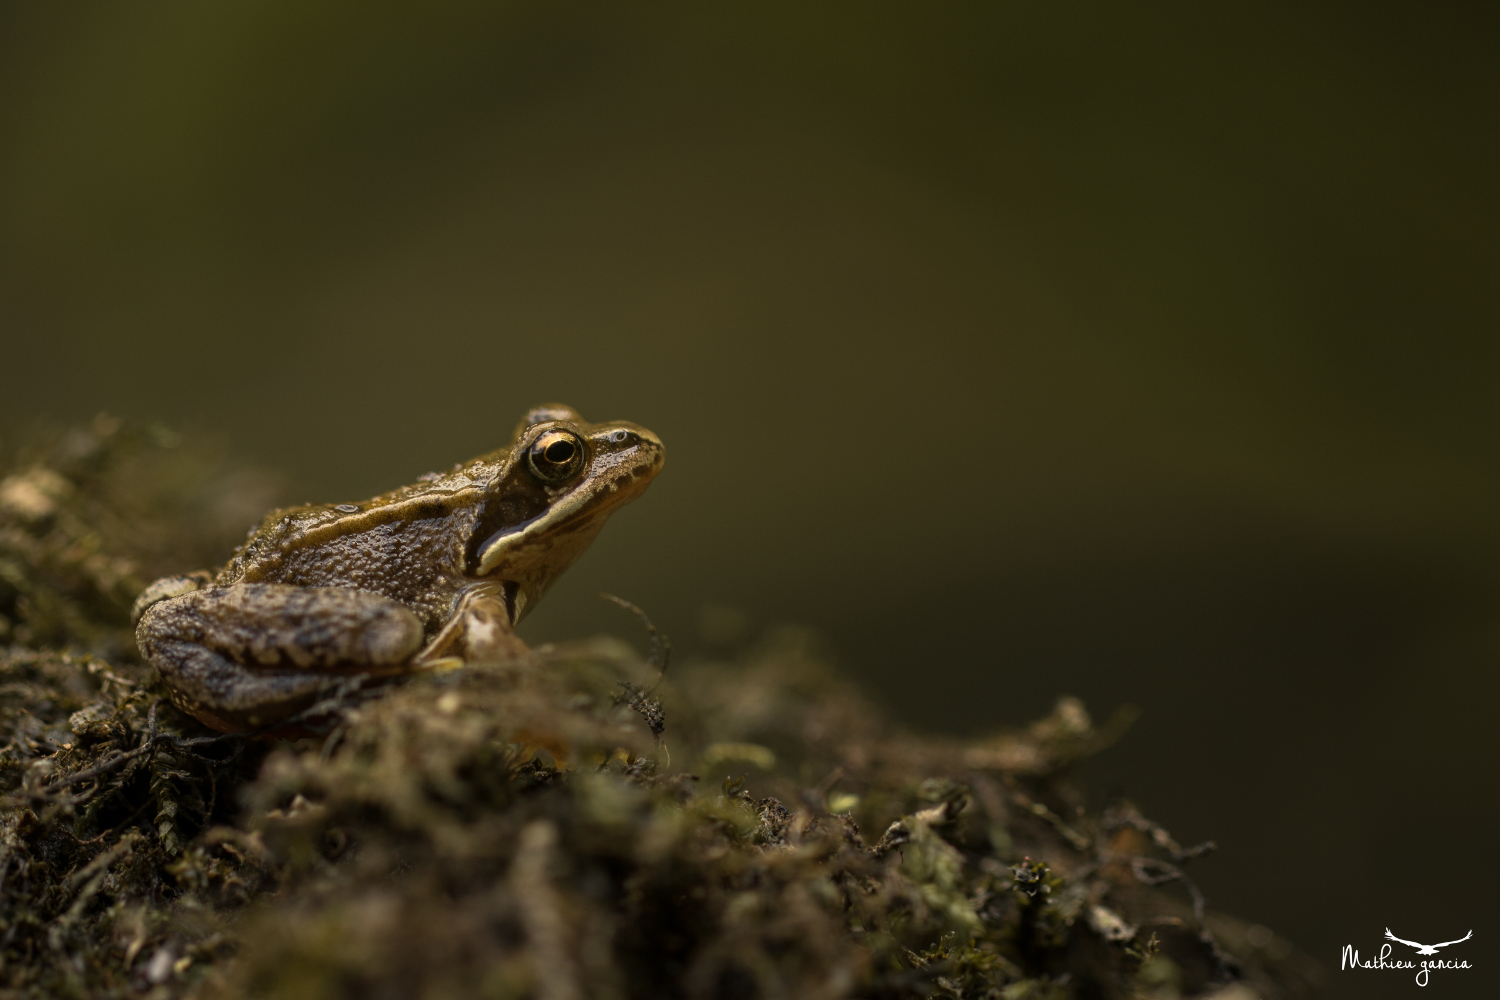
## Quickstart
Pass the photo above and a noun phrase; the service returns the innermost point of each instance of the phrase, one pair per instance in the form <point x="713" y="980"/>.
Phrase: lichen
<point x="571" y="825"/>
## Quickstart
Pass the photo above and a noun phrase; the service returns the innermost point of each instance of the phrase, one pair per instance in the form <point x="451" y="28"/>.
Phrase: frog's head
<point x="562" y="480"/>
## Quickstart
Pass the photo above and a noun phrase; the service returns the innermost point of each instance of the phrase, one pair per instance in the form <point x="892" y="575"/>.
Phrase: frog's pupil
<point x="559" y="451"/>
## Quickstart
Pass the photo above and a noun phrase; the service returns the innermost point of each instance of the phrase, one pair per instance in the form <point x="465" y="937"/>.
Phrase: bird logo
<point x="1425" y="949"/>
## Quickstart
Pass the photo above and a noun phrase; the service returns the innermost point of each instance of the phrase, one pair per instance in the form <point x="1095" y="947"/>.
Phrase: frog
<point x="326" y="598"/>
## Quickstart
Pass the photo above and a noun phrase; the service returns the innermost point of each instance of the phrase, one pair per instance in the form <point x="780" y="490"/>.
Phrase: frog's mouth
<point x="510" y="541"/>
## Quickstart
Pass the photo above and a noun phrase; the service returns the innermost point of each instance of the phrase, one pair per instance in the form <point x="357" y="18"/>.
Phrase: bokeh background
<point x="1141" y="352"/>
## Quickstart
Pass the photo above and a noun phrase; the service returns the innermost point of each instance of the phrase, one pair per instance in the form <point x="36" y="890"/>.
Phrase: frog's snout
<point x="649" y="454"/>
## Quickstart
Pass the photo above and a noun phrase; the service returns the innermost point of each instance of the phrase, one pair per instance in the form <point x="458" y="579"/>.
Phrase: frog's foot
<point x="479" y="631"/>
<point x="487" y="631"/>
<point x="247" y="655"/>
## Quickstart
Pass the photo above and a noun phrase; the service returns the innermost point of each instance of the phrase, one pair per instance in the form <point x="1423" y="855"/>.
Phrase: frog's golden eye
<point x="556" y="456"/>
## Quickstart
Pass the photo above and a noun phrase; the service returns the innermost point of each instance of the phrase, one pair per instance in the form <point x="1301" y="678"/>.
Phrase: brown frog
<point x="399" y="583"/>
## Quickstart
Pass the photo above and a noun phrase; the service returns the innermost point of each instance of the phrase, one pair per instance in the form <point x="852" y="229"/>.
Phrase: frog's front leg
<point x="478" y="630"/>
<point x="246" y="655"/>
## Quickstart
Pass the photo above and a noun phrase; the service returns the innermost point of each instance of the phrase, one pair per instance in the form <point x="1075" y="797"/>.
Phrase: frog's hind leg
<point x="247" y="655"/>
<point x="229" y="697"/>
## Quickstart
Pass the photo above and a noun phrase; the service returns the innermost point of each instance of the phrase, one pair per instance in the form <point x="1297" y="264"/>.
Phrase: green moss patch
<point x="568" y="826"/>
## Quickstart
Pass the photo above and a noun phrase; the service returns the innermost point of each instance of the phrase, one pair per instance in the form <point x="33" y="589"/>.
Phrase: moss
<point x="571" y="825"/>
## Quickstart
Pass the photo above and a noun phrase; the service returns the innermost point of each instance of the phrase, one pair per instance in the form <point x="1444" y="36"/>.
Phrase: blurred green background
<point x="1143" y="354"/>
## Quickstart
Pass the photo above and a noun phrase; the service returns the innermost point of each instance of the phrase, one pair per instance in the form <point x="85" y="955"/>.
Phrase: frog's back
<point x="408" y="545"/>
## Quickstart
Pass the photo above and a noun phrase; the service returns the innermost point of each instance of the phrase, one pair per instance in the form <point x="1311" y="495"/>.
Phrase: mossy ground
<point x="522" y="829"/>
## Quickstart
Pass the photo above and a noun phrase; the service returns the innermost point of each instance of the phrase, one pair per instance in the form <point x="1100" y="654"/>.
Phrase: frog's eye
<point x="556" y="455"/>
